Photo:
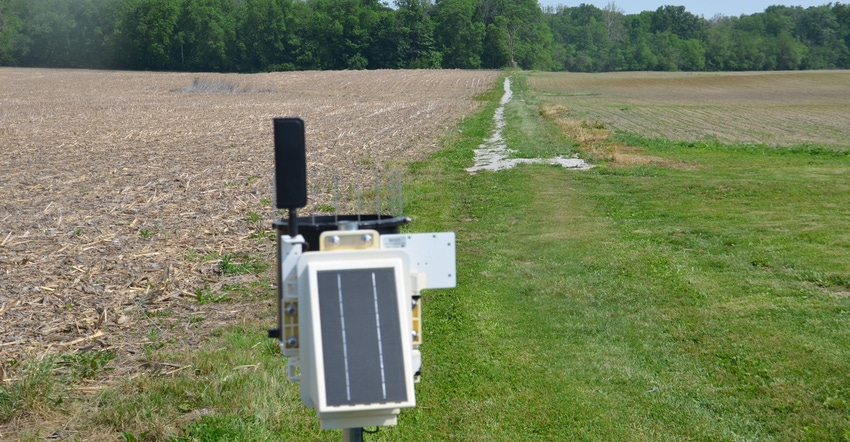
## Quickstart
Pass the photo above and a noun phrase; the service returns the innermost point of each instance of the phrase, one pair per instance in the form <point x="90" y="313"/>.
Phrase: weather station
<point x="349" y="299"/>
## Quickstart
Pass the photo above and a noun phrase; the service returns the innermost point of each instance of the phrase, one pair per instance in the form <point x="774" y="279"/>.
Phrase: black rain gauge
<point x="349" y="303"/>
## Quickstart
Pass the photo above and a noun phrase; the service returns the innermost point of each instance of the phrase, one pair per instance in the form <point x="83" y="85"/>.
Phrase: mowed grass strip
<point x="708" y="302"/>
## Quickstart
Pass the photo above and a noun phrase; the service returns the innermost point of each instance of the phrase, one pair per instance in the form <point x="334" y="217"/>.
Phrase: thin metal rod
<point x="378" y="190"/>
<point x="359" y="185"/>
<point x="397" y="193"/>
<point x="391" y="185"/>
<point x="315" y="191"/>
<point x="336" y="198"/>
<point x="400" y="196"/>
<point x="397" y="201"/>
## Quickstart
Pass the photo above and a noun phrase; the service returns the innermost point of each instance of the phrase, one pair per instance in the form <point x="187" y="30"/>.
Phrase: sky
<point x="704" y="8"/>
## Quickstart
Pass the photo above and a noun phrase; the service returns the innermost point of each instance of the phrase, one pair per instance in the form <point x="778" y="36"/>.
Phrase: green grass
<point x="706" y="301"/>
<point x="641" y="303"/>
<point x="87" y="364"/>
<point x="34" y="389"/>
<point x="524" y="126"/>
<point x="241" y="264"/>
<point x="233" y="387"/>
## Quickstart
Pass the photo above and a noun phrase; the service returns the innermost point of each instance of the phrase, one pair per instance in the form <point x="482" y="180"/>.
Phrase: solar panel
<point x="356" y="330"/>
<point x="361" y="343"/>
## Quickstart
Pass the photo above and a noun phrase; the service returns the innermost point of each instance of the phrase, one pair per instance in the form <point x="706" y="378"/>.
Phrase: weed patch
<point x="87" y="364"/>
<point x="202" y="85"/>
<point x="207" y="296"/>
<point x="241" y="264"/>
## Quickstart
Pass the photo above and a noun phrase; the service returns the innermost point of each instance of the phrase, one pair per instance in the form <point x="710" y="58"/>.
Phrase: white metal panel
<point x="289" y="253"/>
<point x="430" y="253"/>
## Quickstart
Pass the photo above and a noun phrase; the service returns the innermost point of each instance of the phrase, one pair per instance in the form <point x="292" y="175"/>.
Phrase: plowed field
<point x="772" y="108"/>
<point x="122" y="193"/>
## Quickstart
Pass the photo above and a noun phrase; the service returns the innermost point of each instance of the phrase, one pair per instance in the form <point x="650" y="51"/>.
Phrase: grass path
<point x="643" y="302"/>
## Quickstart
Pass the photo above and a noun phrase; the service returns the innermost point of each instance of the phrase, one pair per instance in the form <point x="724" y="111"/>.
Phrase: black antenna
<point x="290" y="160"/>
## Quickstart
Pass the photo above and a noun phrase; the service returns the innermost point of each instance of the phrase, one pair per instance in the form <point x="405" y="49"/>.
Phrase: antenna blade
<point x="290" y="160"/>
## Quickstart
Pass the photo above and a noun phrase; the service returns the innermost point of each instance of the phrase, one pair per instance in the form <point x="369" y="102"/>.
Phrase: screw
<point x="415" y="335"/>
<point x="366" y="238"/>
<point x="292" y="342"/>
<point x="291" y="310"/>
<point x="334" y="240"/>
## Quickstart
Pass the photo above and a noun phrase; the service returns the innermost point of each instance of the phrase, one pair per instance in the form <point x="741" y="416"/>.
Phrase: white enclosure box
<point x="355" y="330"/>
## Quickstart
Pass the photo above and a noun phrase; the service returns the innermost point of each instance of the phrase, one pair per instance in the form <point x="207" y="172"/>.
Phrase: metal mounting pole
<point x="293" y="222"/>
<point x="352" y="435"/>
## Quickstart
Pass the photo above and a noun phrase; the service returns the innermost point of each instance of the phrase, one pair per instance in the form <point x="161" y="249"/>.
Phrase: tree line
<point x="279" y="35"/>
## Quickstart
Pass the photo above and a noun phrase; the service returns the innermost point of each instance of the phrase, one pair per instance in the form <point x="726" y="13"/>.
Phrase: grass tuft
<point x="33" y="389"/>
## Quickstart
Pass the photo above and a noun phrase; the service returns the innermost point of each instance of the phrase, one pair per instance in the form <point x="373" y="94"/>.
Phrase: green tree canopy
<point x="267" y="35"/>
<point x="12" y="40"/>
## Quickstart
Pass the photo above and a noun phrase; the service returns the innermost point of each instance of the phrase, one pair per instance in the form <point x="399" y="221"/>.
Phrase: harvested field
<point x="772" y="108"/>
<point x="124" y="193"/>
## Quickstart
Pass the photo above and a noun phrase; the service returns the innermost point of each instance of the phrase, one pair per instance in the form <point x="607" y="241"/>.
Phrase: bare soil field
<point x="122" y="192"/>
<point x="772" y="108"/>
